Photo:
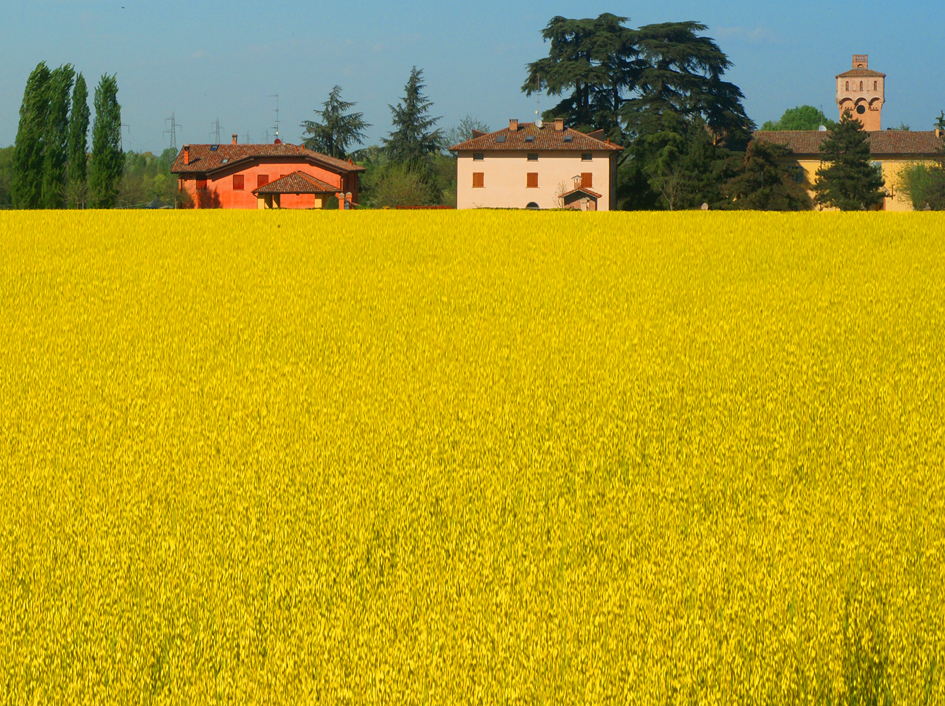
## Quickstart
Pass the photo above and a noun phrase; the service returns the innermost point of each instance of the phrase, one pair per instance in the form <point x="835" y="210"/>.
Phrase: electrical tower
<point x="175" y="126"/>
<point x="276" y="96"/>
<point x="216" y="133"/>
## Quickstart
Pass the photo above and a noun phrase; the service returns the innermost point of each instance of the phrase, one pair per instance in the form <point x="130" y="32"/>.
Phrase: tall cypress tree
<point x="56" y="141"/>
<point x="413" y="140"/>
<point x="78" y="144"/>
<point x="27" y="188"/>
<point x="108" y="160"/>
<point x="846" y="179"/>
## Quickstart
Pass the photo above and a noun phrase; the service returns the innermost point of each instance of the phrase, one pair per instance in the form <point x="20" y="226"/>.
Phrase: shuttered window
<point x="478" y="182"/>
<point x="532" y="182"/>
<point x="237" y="182"/>
<point x="201" y="185"/>
<point x="587" y="180"/>
<point x="261" y="180"/>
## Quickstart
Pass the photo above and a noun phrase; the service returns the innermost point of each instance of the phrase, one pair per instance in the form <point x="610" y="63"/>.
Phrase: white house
<point x="535" y="165"/>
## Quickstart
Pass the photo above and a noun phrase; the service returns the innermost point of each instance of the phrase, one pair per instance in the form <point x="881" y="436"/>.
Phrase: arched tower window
<point x="848" y="86"/>
<point x="861" y="85"/>
<point x="875" y="85"/>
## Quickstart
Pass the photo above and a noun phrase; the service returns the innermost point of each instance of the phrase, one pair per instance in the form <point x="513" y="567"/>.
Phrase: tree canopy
<point x="846" y="179"/>
<point x="108" y="160"/>
<point x="338" y="129"/>
<point x="413" y="138"/>
<point x="28" y="156"/>
<point x="802" y="117"/>
<point x="763" y="183"/>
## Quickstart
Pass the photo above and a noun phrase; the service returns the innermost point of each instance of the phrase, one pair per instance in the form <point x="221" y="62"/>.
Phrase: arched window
<point x="848" y="86"/>
<point x="875" y="85"/>
<point x="532" y="206"/>
<point x="861" y="85"/>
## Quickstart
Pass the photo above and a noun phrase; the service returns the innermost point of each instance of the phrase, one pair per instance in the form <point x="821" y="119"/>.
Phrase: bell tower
<point x="862" y="92"/>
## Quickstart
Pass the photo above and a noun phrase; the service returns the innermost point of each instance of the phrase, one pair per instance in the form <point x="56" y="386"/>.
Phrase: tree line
<point x="51" y="163"/>
<point x="659" y="91"/>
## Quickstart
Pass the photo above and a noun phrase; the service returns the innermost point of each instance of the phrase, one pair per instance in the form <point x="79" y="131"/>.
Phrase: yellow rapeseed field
<point x="479" y="457"/>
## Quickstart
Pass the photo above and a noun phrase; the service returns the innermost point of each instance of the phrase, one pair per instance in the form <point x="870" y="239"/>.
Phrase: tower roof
<point x="861" y="73"/>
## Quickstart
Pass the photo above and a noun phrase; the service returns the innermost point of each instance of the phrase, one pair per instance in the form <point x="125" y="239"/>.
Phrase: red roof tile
<point x="204" y="159"/>
<point x="297" y="183"/>
<point x="544" y="138"/>
<point x="919" y="143"/>
<point x="861" y="73"/>
<point x="582" y="190"/>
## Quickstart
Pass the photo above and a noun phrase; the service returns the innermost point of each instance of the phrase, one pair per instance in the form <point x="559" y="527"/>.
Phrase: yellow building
<point x="891" y="151"/>
<point x="861" y="92"/>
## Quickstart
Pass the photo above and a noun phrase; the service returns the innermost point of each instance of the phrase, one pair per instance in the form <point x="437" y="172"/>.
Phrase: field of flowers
<point x="496" y="458"/>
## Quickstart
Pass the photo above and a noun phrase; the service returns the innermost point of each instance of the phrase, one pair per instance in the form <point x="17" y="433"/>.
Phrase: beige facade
<point x="538" y="166"/>
<point x="504" y="180"/>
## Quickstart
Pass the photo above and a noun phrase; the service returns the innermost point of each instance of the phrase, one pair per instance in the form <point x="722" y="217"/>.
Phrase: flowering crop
<point x="472" y="457"/>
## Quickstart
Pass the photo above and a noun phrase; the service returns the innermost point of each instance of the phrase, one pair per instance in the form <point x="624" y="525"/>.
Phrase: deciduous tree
<point x="27" y="188"/>
<point x="56" y="138"/>
<point x="107" y="157"/>
<point x="802" y="117"/>
<point x="77" y="189"/>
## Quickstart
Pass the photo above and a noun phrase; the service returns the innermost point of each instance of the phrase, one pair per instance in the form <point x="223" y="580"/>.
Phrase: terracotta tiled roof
<point x="544" y="138"/>
<point x="297" y="183"/>
<point x="582" y="190"/>
<point x="204" y="159"/>
<point x="918" y="143"/>
<point x="861" y="73"/>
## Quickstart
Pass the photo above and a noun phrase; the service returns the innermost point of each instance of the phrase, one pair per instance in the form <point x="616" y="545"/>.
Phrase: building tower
<point x="862" y="92"/>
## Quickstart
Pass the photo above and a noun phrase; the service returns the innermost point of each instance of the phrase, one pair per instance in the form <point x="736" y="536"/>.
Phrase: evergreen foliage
<point x="107" y="157"/>
<point x="846" y="180"/>
<point x="593" y="64"/>
<point x="78" y="144"/>
<point x="763" y="183"/>
<point x="56" y="139"/>
<point x="338" y="129"/>
<point x="27" y="191"/>
<point x="414" y="139"/>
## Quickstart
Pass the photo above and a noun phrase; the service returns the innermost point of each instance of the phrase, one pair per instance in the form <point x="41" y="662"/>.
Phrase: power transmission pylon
<point x="216" y="133"/>
<point x="175" y="126"/>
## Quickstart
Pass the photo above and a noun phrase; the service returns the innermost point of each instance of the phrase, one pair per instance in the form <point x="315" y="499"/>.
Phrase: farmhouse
<point x="861" y="92"/>
<point x="279" y="175"/>
<point x="536" y="165"/>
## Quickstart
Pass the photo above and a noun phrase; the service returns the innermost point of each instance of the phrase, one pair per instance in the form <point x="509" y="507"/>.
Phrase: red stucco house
<point x="279" y="175"/>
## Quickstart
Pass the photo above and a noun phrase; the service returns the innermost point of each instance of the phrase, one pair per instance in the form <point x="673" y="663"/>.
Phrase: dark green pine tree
<point x="56" y="140"/>
<point x="338" y="129"/>
<point x="108" y="160"/>
<point x="846" y="179"/>
<point x="763" y="182"/>
<point x="78" y="144"/>
<point x="27" y="188"/>
<point x="413" y="140"/>
<point x="592" y="64"/>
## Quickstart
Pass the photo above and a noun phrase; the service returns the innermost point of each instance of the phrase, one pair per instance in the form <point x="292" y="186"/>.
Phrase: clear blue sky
<point x="208" y="60"/>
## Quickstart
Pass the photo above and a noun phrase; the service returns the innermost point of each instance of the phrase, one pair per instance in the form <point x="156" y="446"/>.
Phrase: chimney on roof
<point x="234" y="139"/>
<point x="513" y="125"/>
<point x="186" y="154"/>
<point x="559" y="124"/>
